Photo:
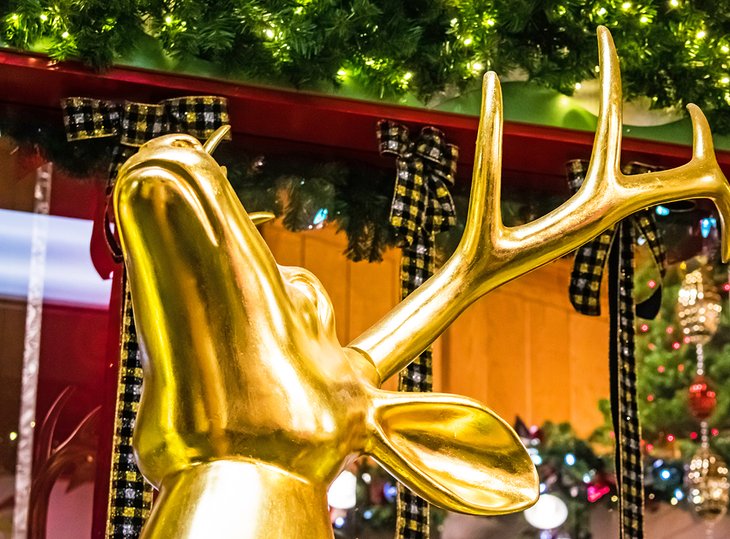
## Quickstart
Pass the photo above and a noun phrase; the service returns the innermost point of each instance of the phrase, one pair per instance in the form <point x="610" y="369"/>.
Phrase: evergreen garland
<point x="673" y="51"/>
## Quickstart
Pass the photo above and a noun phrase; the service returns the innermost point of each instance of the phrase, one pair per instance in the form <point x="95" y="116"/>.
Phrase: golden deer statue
<point x="251" y="407"/>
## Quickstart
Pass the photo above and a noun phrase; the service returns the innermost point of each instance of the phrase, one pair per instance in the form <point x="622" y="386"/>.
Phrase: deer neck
<point x="242" y="499"/>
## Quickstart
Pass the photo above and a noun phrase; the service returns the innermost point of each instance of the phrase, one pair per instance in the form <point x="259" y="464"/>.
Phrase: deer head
<point x="251" y="407"/>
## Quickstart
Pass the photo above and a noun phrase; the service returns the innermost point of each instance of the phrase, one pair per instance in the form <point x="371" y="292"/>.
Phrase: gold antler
<point x="491" y="254"/>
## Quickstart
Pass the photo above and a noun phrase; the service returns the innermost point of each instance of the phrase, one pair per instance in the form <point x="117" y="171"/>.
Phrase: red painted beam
<point x="534" y="155"/>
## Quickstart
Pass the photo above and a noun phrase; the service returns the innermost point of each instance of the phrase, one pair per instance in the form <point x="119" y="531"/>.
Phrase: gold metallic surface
<point x="251" y="406"/>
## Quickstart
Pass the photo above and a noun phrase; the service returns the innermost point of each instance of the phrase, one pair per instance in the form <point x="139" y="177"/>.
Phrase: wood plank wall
<point x="522" y="350"/>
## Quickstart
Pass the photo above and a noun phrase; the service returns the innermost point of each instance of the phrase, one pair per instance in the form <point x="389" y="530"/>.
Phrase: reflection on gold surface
<point x="251" y="406"/>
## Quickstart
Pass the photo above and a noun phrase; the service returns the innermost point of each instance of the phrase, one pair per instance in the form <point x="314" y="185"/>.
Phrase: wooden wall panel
<point x="521" y="350"/>
<point x="465" y="363"/>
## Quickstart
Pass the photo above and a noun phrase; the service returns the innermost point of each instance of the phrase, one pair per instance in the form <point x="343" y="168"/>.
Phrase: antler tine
<point x="701" y="177"/>
<point x="411" y="326"/>
<point x="487" y="175"/>
<point x="703" y="152"/>
<point x="605" y="161"/>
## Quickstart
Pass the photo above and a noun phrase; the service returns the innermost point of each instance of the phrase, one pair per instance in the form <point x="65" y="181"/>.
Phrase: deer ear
<point x="452" y="451"/>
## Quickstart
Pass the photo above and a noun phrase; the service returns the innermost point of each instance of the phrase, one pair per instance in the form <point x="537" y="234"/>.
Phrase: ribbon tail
<point x="650" y="307"/>
<point x="585" y="279"/>
<point x="646" y="225"/>
<point x="629" y="469"/>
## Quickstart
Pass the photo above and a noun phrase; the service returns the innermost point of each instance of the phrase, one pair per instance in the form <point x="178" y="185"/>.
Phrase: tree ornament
<point x="699" y="306"/>
<point x="702" y="398"/>
<point x="709" y="488"/>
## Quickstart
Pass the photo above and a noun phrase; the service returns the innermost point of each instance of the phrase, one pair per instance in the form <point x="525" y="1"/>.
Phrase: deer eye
<point x="186" y="142"/>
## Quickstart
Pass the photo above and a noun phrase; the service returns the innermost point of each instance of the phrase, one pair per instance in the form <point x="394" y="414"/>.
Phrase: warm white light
<point x="341" y="494"/>
<point x="65" y="35"/>
<point x="269" y="33"/>
<point x="467" y="41"/>
<point x="578" y="86"/>
<point x="548" y="513"/>
<point x="626" y="6"/>
<point x="601" y="12"/>
<point x="644" y="19"/>
<point x="13" y="436"/>
<point x="674" y="3"/>
<point x="701" y="34"/>
<point x="408" y="75"/>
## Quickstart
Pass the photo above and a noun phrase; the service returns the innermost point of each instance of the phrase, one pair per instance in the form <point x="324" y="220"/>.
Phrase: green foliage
<point x="674" y="52"/>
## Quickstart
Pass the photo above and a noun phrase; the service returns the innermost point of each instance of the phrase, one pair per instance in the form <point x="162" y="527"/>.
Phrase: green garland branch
<point x="673" y="51"/>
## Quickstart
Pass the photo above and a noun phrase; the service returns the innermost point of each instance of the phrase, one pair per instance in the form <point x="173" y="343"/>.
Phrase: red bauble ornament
<point x="702" y="398"/>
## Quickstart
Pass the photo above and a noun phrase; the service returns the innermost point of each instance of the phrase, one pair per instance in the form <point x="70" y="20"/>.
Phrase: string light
<point x="578" y="85"/>
<point x="644" y="19"/>
<point x="601" y="12"/>
<point x="44" y="17"/>
<point x="674" y="3"/>
<point x="626" y="6"/>
<point x="467" y="41"/>
<point x="65" y="35"/>
<point x="701" y="34"/>
<point x="670" y="437"/>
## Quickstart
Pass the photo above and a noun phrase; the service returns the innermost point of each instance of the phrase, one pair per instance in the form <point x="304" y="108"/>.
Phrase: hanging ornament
<point x="699" y="306"/>
<point x="702" y="398"/>
<point x="709" y="488"/>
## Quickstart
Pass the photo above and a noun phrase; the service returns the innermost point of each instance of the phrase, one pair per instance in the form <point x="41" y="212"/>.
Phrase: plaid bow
<point x="616" y="247"/>
<point x="590" y="259"/>
<point x="133" y="124"/>
<point x="422" y="207"/>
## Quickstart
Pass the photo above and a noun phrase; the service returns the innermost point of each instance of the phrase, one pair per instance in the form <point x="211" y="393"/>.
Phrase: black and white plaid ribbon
<point x="130" y="496"/>
<point x="133" y="124"/>
<point x="616" y="247"/>
<point x="422" y="207"/>
<point x="622" y="368"/>
<point x="590" y="259"/>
